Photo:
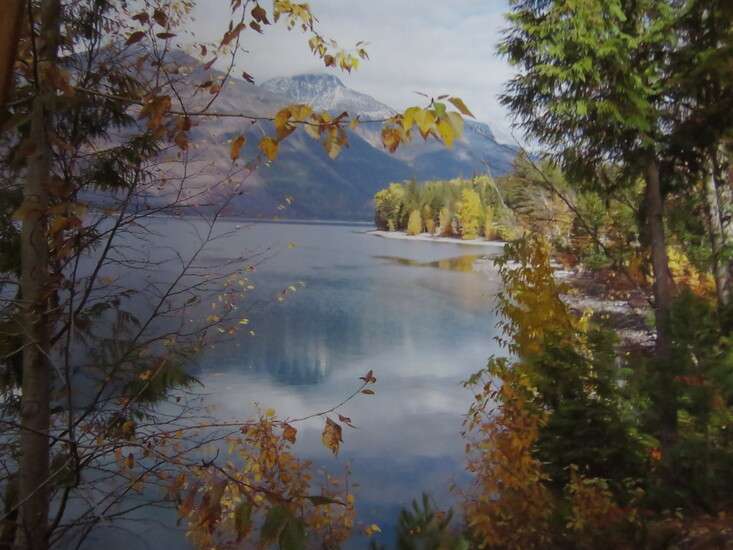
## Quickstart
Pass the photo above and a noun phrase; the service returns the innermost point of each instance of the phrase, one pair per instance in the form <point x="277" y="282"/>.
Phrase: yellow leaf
<point x="269" y="147"/>
<point x="270" y="413"/>
<point x="446" y="131"/>
<point x="456" y="121"/>
<point x="282" y="123"/>
<point x="300" y="112"/>
<point x="409" y="118"/>
<point x="237" y="145"/>
<point x="458" y="104"/>
<point x="313" y="128"/>
<point x="425" y="121"/>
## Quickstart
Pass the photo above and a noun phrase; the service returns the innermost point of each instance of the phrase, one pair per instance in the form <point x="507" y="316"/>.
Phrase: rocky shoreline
<point x="622" y="307"/>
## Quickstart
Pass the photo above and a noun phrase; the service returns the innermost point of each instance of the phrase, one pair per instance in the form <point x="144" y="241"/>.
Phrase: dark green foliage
<point x="697" y="471"/>
<point x="586" y="427"/>
<point x="424" y="528"/>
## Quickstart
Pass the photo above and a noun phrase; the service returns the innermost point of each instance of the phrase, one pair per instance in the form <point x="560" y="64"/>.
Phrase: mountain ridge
<point x="303" y="177"/>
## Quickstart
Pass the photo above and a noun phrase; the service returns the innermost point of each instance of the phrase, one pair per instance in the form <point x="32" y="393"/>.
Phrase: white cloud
<point x="430" y="46"/>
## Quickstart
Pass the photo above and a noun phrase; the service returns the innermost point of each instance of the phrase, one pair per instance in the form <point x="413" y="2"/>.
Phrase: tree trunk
<point x="663" y="294"/>
<point x="717" y="240"/>
<point x="8" y="526"/>
<point x="11" y="19"/>
<point x="35" y="477"/>
<point x="723" y="180"/>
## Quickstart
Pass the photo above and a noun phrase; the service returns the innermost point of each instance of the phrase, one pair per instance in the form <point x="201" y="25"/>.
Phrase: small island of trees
<point x="464" y="208"/>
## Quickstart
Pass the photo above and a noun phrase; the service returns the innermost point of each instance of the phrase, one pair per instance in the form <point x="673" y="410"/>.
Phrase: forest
<point x="593" y="428"/>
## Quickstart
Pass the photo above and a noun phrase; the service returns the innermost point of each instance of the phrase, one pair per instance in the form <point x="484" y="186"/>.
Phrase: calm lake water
<point x="413" y="312"/>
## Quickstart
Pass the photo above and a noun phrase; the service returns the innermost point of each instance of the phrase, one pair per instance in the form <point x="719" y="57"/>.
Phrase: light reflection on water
<point x="368" y="303"/>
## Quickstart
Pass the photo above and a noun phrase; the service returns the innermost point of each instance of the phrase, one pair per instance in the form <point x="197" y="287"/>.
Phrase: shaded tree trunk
<point x="11" y="19"/>
<point x="35" y="477"/>
<point x="9" y="523"/>
<point x="663" y="294"/>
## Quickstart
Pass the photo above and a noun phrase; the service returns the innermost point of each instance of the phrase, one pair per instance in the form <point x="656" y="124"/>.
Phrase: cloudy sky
<point x="431" y="46"/>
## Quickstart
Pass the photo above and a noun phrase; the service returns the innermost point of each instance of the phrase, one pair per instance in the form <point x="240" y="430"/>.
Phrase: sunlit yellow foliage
<point x="686" y="274"/>
<point x="414" y="224"/>
<point x="262" y="484"/>
<point x="530" y="303"/>
<point x="510" y="506"/>
<point x="387" y="207"/>
<point x="469" y="214"/>
<point x="428" y="219"/>
<point x="488" y="229"/>
<point x="434" y="120"/>
<point x="444" y="222"/>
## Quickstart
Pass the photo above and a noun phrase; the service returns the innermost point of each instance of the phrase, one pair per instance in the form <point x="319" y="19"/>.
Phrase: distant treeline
<point x="533" y="198"/>
<point x="466" y="208"/>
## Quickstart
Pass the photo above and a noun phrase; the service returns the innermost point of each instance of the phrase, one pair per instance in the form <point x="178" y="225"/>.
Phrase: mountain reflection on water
<point x="367" y="303"/>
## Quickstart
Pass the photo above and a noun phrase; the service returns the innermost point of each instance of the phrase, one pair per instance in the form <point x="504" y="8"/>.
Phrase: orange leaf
<point x="331" y="436"/>
<point x="237" y="145"/>
<point x="289" y="433"/>
<point x="269" y="147"/>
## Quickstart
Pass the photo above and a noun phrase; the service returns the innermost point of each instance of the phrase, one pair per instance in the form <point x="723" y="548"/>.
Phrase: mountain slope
<point x="365" y="166"/>
<point x="315" y="186"/>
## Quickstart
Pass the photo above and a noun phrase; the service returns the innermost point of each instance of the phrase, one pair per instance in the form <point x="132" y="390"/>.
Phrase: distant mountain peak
<point x="326" y="92"/>
<point x="318" y="79"/>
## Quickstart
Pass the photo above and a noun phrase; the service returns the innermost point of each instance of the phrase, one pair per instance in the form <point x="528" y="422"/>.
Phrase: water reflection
<point x="465" y="263"/>
<point x="367" y="304"/>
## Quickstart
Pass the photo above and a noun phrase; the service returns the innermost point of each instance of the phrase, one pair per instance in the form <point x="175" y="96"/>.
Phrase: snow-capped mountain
<point x="476" y="152"/>
<point x="326" y="92"/>
<point x="319" y="186"/>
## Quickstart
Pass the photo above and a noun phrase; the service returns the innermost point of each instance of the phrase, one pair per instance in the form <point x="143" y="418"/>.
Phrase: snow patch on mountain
<point x="326" y="92"/>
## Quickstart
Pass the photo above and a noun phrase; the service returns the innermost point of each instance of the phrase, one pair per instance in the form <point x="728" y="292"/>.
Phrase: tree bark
<point x="663" y="294"/>
<point x="723" y="181"/>
<point x="35" y="477"/>
<point x="717" y="240"/>
<point x="11" y="19"/>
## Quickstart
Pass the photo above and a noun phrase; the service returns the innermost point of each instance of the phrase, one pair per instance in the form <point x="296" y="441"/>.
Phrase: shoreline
<point x="428" y="238"/>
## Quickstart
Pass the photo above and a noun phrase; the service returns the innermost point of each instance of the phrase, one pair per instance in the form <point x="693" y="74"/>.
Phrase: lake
<point x="416" y="313"/>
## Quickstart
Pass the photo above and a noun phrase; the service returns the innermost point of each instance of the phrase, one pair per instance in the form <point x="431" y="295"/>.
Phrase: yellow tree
<point x="444" y="221"/>
<point x="469" y="214"/>
<point x="414" y="223"/>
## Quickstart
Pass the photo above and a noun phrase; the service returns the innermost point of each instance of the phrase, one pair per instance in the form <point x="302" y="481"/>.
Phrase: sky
<point x="430" y="46"/>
